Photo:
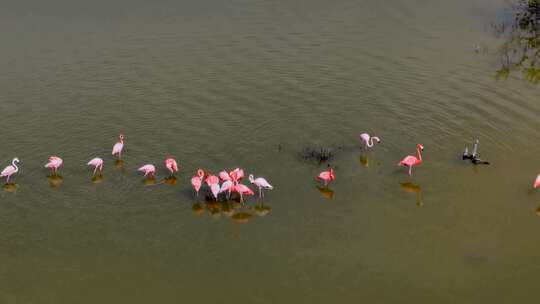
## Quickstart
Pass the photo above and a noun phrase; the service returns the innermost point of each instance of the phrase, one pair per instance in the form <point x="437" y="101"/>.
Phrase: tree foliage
<point x="521" y="49"/>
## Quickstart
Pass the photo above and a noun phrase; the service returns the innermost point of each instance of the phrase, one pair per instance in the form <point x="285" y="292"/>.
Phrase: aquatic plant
<point x="521" y="49"/>
<point x="317" y="153"/>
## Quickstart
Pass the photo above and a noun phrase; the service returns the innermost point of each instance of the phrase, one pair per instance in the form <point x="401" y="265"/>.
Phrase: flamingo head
<point x="376" y="138"/>
<point x="200" y="173"/>
<point x="121" y="137"/>
<point x="16" y="160"/>
<point x="420" y="147"/>
<point x="251" y="178"/>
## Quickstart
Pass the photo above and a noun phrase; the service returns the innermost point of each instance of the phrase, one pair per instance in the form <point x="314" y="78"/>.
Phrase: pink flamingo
<point x="211" y="180"/>
<point x="537" y="182"/>
<point x="368" y="141"/>
<point x="261" y="183"/>
<point x="118" y="147"/>
<point x="54" y="163"/>
<point x="214" y="188"/>
<point x="224" y="176"/>
<point x="10" y="170"/>
<point x="243" y="190"/>
<point x="237" y="174"/>
<point x="196" y="181"/>
<point x="97" y="163"/>
<point x="148" y="169"/>
<point x="171" y="164"/>
<point x="327" y="176"/>
<point x="411" y="160"/>
<point x="227" y="186"/>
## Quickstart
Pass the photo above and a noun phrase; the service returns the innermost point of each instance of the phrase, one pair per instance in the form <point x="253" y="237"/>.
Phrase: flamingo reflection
<point x="412" y="188"/>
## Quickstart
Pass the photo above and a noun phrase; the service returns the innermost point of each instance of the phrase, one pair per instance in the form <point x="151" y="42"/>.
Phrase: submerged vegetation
<point x="521" y="49"/>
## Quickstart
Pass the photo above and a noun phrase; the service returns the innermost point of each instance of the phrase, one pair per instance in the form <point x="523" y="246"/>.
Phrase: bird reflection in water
<point x="537" y="211"/>
<point x="149" y="181"/>
<point x="11" y="187"/>
<point x="119" y="164"/>
<point x="262" y="210"/>
<point x="97" y="179"/>
<point x="55" y="181"/>
<point x="198" y="209"/>
<point x="364" y="160"/>
<point x="242" y="217"/>
<point x="238" y="212"/>
<point x="412" y="188"/>
<point x="326" y="192"/>
<point x="170" y="180"/>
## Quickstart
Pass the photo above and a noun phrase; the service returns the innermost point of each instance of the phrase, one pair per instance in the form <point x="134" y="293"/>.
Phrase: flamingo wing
<point x="9" y="170"/>
<point x="263" y="183"/>
<point x="408" y="161"/>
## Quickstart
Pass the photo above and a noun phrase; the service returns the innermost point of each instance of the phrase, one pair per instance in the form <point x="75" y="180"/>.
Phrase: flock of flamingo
<point x="225" y="182"/>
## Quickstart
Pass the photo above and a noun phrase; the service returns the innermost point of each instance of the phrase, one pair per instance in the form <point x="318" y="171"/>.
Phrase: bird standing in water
<point x="148" y="169"/>
<point x="410" y="161"/>
<point x="171" y="165"/>
<point x="261" y="183"/>
<point x="10" y="170"/>
<point x="118" y="147"/>
<point x="54" y="163"/>
<point x="368" y="140"/>
<point x="196" y="181"/>
<point x="97" y="163"/>
<point x="327" y="176"/>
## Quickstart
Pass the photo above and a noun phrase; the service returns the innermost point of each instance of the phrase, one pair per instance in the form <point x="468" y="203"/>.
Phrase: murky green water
<point x="220" y="84"/>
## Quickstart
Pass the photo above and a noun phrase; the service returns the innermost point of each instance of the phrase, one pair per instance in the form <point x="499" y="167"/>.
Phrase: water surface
<point x="220" y="84"/>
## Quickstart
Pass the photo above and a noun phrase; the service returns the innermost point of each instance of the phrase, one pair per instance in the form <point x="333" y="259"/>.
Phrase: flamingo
<point x="97" y="163"/>
<point x="148" y="169"/>
<point x="211" y="180"/>
<point x="54" y="163"/>
<point x="327" y="176"/>
<point x="368" y="141"/>
<point x="261" y="183"/>
<point x="215" y="190"/>
<point x="411" y="160"/>
<point x="243" y="190"/>
<point x="118" y="147"/>
<point x="237" y="174"/>
<point x="224" y="176"/>
<point x="10" y="170"/>
<point x="196" y="181"/>
<point x="227" y="186"/>
<point x="171" y="164"/>
<point x="536" y="182"/>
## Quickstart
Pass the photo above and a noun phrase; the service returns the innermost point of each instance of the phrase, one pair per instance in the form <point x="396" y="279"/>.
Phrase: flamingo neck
<point x="14" y="163"/>
<point x="419" y="155"/>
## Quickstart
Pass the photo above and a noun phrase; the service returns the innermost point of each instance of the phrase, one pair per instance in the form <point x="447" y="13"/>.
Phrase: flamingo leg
<point x="95" y="169"/>
<point x="410" y="170"/>
<point x="7" y="181"/>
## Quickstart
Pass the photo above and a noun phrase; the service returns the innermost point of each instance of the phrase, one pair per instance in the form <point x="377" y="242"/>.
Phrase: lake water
<point x="250" y="83"/>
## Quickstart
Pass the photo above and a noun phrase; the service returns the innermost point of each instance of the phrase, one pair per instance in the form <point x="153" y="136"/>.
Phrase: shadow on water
<point x="55" y="181"/>
<point x="236" y="211"/>
<point x="11" y="187"/>
<point x="364" y="160"/>
<point x="412" y="188"/>
<point x="97" y="179"/>
<point x="521" y="48"/>
<point x="170" y="180"/>
<point x="326" y="192"/>
<point x="149" y="181"/>
<point x="119" y="164"/>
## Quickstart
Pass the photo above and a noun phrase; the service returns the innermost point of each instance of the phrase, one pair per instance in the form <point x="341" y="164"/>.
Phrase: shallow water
<point x="220" y="84"/>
